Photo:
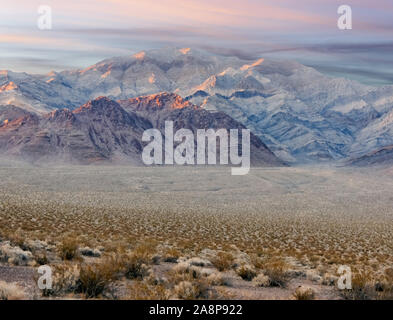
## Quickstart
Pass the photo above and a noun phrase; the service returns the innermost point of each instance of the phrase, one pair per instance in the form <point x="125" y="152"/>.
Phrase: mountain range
<point x="300" y="114"/>
<point x="103" y="130"/>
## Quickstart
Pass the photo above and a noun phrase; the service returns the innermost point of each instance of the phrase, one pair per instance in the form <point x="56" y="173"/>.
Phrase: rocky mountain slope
<point x="383" y="156"/>
<point x="103" y="130"/>
<point x="97" y="131"/>
<point x="301" y="115"/>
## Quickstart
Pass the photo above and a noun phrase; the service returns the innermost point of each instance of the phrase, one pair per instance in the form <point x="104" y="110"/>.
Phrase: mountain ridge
<point x="301" y="115"/>
<point x="102" y="131"/>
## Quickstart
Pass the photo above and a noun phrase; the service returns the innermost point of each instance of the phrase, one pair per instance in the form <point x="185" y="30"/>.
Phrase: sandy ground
<point x="348" y="210"/>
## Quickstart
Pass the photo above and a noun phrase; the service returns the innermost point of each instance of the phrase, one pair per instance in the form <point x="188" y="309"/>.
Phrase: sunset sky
<point x="87" y="31"/>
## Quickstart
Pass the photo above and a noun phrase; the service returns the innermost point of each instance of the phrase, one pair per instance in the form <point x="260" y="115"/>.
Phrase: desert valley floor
<point x="188" y="232"/>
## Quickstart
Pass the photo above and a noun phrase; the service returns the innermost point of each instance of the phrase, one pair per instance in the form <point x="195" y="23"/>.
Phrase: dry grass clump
<point x="171" y="255"/>
<point x="68" y="249"/>
<point x="146" y="291"/>
<point x="184" y="271"/>
<point x="365" y="287"/>
<point x="223" y="261"/>
<point x="16" y="239"/>
<point x="91" y="280"/>
<point x="144" y="252"/>
<point x="188" y="290"/>
<point x="41" y="258"/>
<point x="98" y="279"/>
<point x="384" y="291"/>
<point x="11" y="291"/>
<point x="217" y="279"/>
<point x="362" y="288"/>
<point x="95" y="279"/>
<point x="65" y="280"/>
<point x="257" y="261"/>
<point x="387" y="285"/>
<point x="190" y="282"/>
<point x="329" y="279"/>
<point x="304" y="293"/>
<point x="277" y="273"/>
<point x="135" y="269"/>
<point x="261" y="280"/>
<point x="135" y="265"/>
<point x="246" y="272"/>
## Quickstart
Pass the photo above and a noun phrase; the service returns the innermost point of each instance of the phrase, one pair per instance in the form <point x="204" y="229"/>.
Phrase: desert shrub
<point x="114" y="263"/>
<point x="277" y="273"/>
<point x="145" y="291"/>
<point x="304" y="293"/>
<point x="134" y="267"/>
<point x="365" y="288"/>
<point x="15" y="255"/>
<point x="65" y="280"/>
<point x="384" y="290"/>
<point x="257" y="261"/>
<point x="217" y="279"/>
<point x="41" y="258"/>
<point x="155" y="280"/>
<point x="89" y="279"/>
<point x="144" y="253"/>
<point x="387" y="287"/>
<point x="246" y="272"/>
<point x="329" y="279"/>
<point x="223" y="261"/>
<point x="68" y="249"/>
<point x="18" y="240"/>
<point x="389" y="275"/>
<point x="261" y="280"/>
<point x="184" y="270"/>
<point x="11" y="291"/>
<point x="171" y="255"/>
<point x="188" y="290"/>
<point x="136" y="270"/>
<point x="94" y="279"/>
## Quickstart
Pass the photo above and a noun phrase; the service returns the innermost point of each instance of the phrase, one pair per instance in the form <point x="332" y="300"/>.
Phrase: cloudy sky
<point x="86" y="31"/>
